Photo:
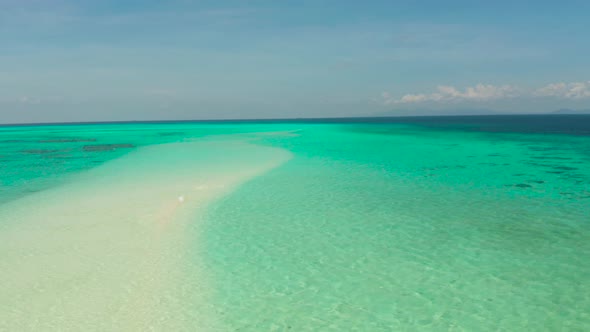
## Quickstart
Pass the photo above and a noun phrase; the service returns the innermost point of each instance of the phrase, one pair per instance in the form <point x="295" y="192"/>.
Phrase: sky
<point x="119" y="60"/>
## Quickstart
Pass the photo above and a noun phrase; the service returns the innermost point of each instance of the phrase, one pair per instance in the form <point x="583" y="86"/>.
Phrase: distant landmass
<point x="483" y="111"/>
<point x="431" y="112"/>
<point x="571" y="111"/>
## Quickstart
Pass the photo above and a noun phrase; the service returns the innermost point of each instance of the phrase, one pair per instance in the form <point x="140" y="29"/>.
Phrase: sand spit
<point x="109" y="251"/>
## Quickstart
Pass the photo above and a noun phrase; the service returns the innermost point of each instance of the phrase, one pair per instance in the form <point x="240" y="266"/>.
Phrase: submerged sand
<point x="110" y="252"/>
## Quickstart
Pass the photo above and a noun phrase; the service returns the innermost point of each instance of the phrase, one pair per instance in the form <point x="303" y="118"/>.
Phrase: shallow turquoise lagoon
<point x="459" y="223"/>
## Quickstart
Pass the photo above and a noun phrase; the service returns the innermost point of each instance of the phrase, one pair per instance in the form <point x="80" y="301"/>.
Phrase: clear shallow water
<point x="467" y="223"/>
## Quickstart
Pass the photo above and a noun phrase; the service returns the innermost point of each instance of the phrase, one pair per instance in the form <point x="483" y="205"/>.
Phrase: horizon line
<point x="302" y="119"/>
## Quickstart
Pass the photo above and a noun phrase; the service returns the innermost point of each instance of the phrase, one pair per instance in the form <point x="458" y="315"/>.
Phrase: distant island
<point x="571" y="111"/>
<point x="433" y="112"/>
<point x="460" y="112"/>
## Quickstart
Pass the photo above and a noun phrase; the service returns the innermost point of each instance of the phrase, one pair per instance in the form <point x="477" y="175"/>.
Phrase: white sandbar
<point x="110" y="251"/>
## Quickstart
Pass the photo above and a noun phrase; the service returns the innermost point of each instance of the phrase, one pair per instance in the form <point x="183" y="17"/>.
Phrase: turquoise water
<point x="462" y="224"/>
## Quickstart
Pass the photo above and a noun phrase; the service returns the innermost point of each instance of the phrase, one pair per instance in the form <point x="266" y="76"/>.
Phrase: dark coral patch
<point x="106" y="147"/>
<point x="14" y="141"/>
<point x="68" y="140"/>
<point x="39" y="151"/>
<point x="537" y="181"/>
<point x="551" y="158"/>
<point x="565" y="168"/>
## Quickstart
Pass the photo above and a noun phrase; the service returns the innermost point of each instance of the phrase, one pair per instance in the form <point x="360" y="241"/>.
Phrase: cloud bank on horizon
<point x="89" y="60"/>
<point x="488" y="92"/>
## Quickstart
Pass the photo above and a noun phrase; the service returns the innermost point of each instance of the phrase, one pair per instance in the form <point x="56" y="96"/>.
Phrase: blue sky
<point x="145" y="60"/>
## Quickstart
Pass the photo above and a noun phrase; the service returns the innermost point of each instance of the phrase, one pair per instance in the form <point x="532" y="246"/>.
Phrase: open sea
<point x="467" y="223"/>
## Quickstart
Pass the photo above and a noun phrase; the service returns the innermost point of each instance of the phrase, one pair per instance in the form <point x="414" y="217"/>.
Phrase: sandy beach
<point x="104" y="252"/>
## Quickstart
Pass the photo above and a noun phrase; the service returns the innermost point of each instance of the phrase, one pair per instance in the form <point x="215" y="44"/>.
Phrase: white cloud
<point x="413" y="98"/>
<point x="31" y="100"/>
<point x="444" y="93"/>
<point x="574" y="90"/>
<point x="487" y="92"/>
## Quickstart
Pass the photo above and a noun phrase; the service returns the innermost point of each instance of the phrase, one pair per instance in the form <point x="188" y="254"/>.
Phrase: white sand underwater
<point x="109" y="251"/>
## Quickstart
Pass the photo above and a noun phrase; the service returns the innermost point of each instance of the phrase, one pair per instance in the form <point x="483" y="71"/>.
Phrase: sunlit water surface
<point x="459" y="223"/>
